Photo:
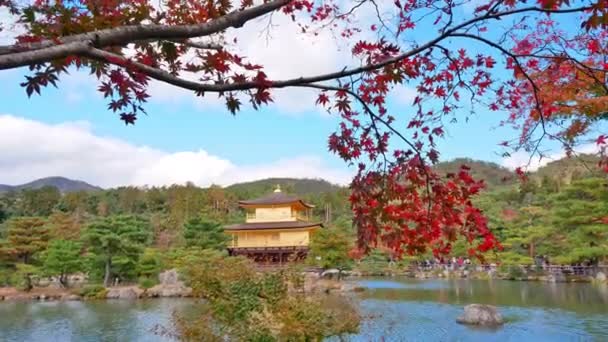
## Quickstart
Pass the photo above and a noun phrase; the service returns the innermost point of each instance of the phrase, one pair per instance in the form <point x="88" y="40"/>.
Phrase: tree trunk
<point x="106" y="278"/>
<point x="28" y="283"/>
<point x="532" y="249"/>
<point x="63" y="280"/>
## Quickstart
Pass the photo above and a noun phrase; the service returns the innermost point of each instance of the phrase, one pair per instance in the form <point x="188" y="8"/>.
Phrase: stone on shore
<point x="601" y="277"/>
<point x="130" y="292"/>
<point x="169" y="286"/>
<point x="73" y="297"/>
<point x="480" y="314"/>
<point x="175" y="290"/>
<point x="168" y="277"/>
<point x="556" y="278"/>
<point x="330" y="273"/>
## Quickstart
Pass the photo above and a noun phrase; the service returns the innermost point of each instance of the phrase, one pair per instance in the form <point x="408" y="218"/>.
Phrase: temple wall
<point x="272" y="238"/>
<point x="279" y="214"/>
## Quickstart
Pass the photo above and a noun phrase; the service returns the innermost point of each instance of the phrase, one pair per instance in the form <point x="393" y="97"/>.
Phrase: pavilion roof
<point x="275" y="198"/>
<point x="273" y="225"/>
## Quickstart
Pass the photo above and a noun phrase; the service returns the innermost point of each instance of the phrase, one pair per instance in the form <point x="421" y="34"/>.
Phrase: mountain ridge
<point x="63" y="184"/>
<point x="493" y="174"/>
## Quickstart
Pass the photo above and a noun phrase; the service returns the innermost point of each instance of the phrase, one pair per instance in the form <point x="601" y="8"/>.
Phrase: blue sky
<point x="249" y="138"/>
<point x="69" y="132"/>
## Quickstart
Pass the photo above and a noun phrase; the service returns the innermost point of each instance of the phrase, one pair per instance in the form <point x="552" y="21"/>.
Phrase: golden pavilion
<point x="277" y="229"/>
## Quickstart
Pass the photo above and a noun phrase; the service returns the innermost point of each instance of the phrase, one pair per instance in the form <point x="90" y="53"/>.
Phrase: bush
<point x="146" y="283"/>
<point x="512" y="258"/>
<point x="25" y="277"/>
<point x="245" y="305"/>
<point x="5" y="276"/>
<point x="376" y="263"/>
<point x="150" y="264"/>
<point x="94" y="291"/>
<point x="512" y="272"/>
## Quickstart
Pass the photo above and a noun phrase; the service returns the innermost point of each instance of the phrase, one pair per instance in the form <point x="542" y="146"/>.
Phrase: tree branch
<point x="198" y="45"/>
<point x="47" y="50"/>
<point x="18" y="55"/>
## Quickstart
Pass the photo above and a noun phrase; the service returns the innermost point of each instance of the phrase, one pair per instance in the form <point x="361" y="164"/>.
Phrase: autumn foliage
<point x="542" y="64"/>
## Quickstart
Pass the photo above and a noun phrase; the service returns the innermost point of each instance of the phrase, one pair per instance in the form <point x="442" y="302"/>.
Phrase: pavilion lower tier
<point x="271" y="255"/>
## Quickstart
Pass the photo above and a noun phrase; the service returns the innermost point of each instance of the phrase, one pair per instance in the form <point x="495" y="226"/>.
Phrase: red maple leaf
<point x="323" y="99"/>
<point x="128" y="118"/>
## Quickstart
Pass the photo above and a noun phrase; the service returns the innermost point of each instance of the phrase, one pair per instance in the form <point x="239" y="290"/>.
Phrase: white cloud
<point x="522" y="159"/>
<point x="9" y="28"/>
<point x="284" y="52"/>
<point x="403" y="95"/>
<point x="31" y="149"/>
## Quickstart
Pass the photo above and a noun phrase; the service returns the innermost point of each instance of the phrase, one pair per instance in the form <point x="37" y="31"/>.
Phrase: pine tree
<point x="205" y="234"/>
<point x="40" y="202"/>
<point x="330" y="247"/>
<point x="63" y="258"/>
<point x="150" y="264"/>
<point x="25" y="236"/>
<point x="581" y="213"/>
<point x="65" y="226"/>
<point x="117" y="240"/>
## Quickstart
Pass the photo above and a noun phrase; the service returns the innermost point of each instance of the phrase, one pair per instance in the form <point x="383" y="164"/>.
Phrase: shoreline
<point x="530" y="278"/>
<point x="56" y="294"/>
<point x="313" y="284"/>
<point x="346" y="285"/>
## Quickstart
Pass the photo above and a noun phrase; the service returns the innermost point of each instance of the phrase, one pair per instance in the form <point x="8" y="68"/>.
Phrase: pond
<point x="425" y="310"/>
<point x="397" y="310"/>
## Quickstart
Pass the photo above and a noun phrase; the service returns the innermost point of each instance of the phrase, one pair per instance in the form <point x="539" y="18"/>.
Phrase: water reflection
<point x="87" y="321"/>
<point x="425" y="310"/>
<point x="399" y="310"/>
<point x="581" y="298"/>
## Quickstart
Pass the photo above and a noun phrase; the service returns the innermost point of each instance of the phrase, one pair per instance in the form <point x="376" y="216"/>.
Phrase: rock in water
<point x="480" y="314"/>
<point x="330" y="273"/>
<point x="600" y="276"/>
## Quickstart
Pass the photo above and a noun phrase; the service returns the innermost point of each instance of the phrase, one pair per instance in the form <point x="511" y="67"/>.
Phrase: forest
<point x="130" y="234"/>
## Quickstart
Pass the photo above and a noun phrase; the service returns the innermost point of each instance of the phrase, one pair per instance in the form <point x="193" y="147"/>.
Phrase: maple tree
<point x="549" y="80"/>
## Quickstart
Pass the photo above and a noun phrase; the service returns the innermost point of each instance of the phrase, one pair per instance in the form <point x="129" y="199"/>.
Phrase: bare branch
<point x="198" y="45"/>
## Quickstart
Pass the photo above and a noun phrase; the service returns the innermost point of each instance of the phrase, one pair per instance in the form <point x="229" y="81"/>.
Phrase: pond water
<point x="397" y="310"/>
<point x="425" y="310"/>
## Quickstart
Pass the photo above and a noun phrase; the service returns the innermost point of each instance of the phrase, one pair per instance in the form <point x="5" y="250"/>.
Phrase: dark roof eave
<point x="277" y="198"/>
<point x="273" y="225"/>
<point x="254" y="203"/>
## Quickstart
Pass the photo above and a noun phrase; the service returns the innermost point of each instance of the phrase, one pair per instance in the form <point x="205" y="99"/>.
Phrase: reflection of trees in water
<point x="115" y="320"/>
<point x="580" y="298"/>
<point x="16" y="309"/>
<point x="111" y="320"/>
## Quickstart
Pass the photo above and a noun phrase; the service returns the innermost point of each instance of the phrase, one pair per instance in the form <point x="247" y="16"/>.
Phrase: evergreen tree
<point x="63" y="258"/>
<point x="65" y="226"/>
<point x="23" y="276"/>
<point x="3" y="213"/>
<point x="116" y="240"/>
<point x="329" y="249"/>
<point x="40" y="202"/>
<point x="205" y="234"/>
<point x="25" y="236"/>
<point x="581" y="214"/>
<point x="184" y="203"/>
<point x="150" y="263"/>
<point x="75" y="202"/>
